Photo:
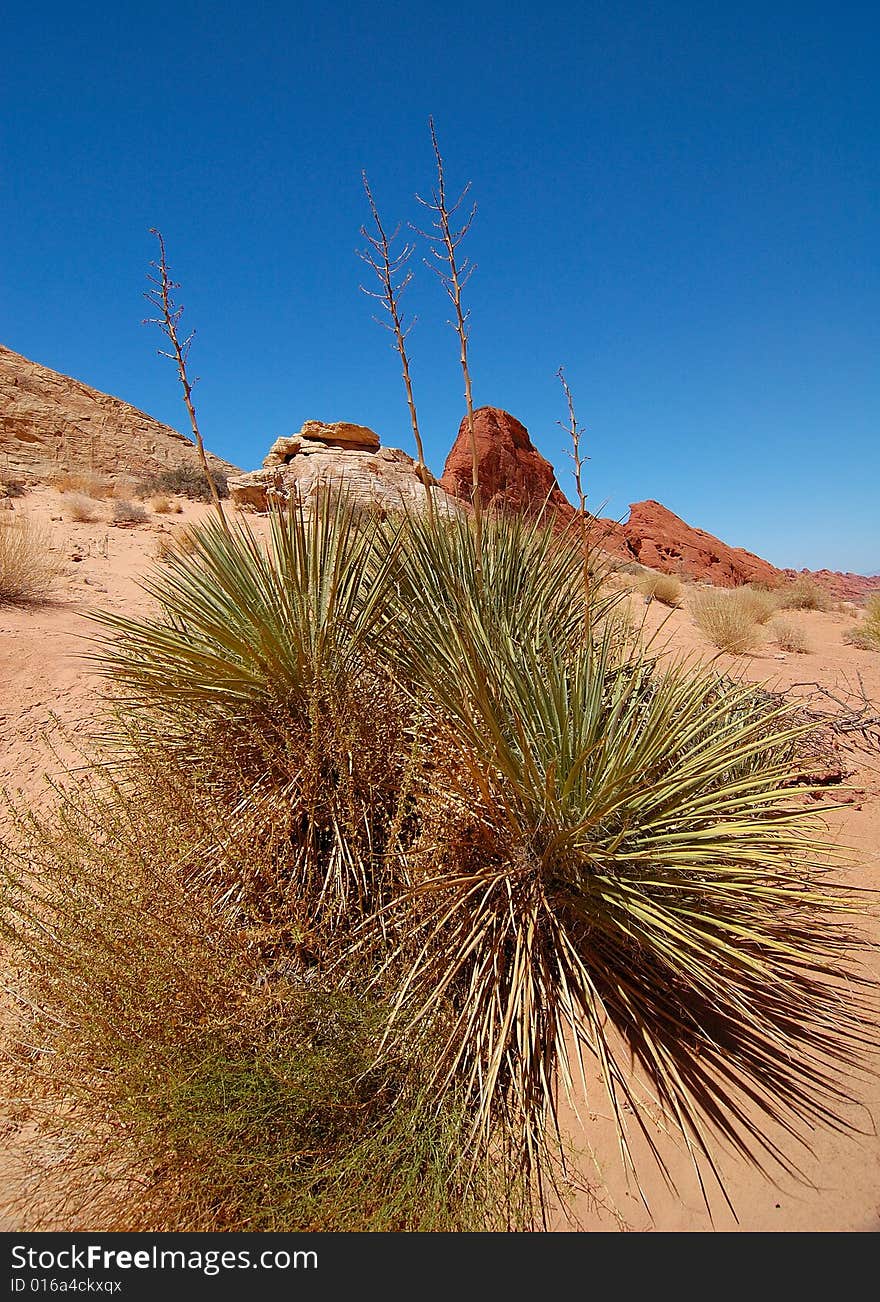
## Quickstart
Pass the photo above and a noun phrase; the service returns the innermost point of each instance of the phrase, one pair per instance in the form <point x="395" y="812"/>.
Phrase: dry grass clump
<point x="28" y="570"/>
<point x="866" y="634"/>
<point x="128" y="512"/>
<point x="665" y="588"/>
<point x="179" y="542"/>
<point x="160" y="504"/>
<point x="82" y="509"/>
<point x="804" y="593"/>
<point x="789" y="636"/>
<point x="726" y="619"/>
<point x="760" y="603"/>
<point x="85" y="482"/>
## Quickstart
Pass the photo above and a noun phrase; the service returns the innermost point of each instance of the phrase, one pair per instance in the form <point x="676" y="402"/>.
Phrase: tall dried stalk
<point x="453" y="275"/>
<point x="575" y="432"/>
<point x="161" y="296"/>
<point x="394" y="274"/>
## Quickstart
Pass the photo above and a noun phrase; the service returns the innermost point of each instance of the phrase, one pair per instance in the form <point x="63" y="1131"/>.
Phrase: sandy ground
<point x="48" y="694"/>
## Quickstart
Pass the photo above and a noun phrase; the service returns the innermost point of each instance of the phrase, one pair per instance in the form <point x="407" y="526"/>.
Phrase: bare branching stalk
<point x="394" y="274"/>
<point x="454" y="274"/>
<point x="575" y="432"/>
<point x="161" y="296"/>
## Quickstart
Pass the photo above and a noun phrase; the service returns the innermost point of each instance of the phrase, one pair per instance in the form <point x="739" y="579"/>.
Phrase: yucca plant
<point x="481" y="808"/>
<point x="610" y="862"/>
<point x="262" y="670"/>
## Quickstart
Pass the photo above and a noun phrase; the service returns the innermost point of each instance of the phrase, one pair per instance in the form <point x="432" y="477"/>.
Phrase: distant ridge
<point x="50" y="423"/>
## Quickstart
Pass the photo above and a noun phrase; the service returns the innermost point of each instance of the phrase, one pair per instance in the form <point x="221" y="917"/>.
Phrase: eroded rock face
<point x="656" y="537"/>
<point x="339" y="456"/>
<point x="513" y="475"/>
<point x="51" y="423"/>
<point x="341" y="434"/>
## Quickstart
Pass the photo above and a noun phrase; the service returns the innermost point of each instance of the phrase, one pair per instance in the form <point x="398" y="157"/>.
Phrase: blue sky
<point x="677" y="201"/>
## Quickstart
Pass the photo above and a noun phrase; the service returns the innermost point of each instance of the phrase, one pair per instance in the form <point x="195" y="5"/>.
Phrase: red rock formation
<point x="513" y="474"/>
<point x="656" y="537"/>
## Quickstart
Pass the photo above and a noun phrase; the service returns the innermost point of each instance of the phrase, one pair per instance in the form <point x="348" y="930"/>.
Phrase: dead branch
<point x="161" y="296"/>
<point x="454" y="273"/>
<point x="393" y="272"/>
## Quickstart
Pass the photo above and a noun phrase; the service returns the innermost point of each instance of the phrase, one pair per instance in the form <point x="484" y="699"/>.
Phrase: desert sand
<point x="49" y="697"/>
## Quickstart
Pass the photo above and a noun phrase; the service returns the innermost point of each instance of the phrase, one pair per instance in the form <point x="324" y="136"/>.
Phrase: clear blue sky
<point x="677" y="201"/>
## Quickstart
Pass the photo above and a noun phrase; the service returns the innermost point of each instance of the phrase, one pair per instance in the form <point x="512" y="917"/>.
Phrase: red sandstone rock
<point x="663" y="541"/>
<point x="513" y="474"/>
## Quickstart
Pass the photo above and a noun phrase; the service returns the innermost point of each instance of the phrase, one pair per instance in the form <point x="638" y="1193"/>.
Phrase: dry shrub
<point x="179" y="542"/>
<point x="221" y="1083"/>
<point x="726" y="620"/>
<point x="184" y="481"/>
<point x="82" y="509"/>
<point x="128" y="512"/>
<point x="866" y="634"/>
<point x="28" y="570"/>
<point x="759" y="602"/>
<point x="161" y="505"/>
<point x="13" y="487"/>
<point x="86" y="482"/>
<point x="804" y="593"/>
<point x="789" y="636"/>
<point x="665" y="588"/>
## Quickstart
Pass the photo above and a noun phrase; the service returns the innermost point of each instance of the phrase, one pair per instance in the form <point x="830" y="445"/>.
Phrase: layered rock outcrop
<point x="343" y="456"/>
<point x="51" y="423"/>
<point x="656" y="537"/>
<point x="513" y="474"/>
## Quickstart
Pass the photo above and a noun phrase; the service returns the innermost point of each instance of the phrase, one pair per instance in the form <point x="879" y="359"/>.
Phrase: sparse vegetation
<point x="160" y="504"/>
<point x="82" y="509"/>
<point x="760" y="603"/>
<point x="804" y="593"/>
<point x="84" y="482"/>
<point x="13" y="487"/>
<point x="28" y="569"/>
<point x="184" y="481"/>
<point x="180" y="541"/>
<point x="370" y="873"/>
<point x="128" y="512"/>
<point x="790" y="636"/>
<point x="665" y="588"/>
<point x="726" y="620"/>
<point x="394" y="831"/>
<point x="866" y="634"/>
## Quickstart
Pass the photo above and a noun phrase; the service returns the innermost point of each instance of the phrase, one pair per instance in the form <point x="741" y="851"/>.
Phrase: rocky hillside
<point x="50" y="423"/>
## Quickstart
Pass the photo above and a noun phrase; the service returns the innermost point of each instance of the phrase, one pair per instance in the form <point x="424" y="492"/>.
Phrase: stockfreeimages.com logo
<point x="96" y="1258"/>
